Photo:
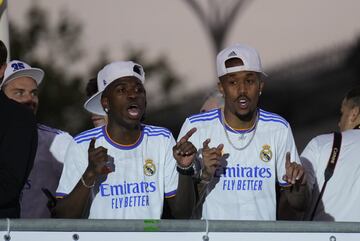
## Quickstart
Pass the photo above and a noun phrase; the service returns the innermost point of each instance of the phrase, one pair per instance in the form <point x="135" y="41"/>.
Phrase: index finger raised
<point x="92" y="144"/>
<point x="188" y="135"/>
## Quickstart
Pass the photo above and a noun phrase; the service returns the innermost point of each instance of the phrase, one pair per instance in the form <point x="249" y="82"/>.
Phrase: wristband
<point x="187" y="171"/>
<point x="85" y="185"/>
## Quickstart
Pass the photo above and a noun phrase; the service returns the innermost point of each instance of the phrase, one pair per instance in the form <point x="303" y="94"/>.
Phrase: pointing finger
<point x="187" y="135"/>
<point x="206" y="144"/>
<point x="92" y="144"/>
<point x="287" y="162"/>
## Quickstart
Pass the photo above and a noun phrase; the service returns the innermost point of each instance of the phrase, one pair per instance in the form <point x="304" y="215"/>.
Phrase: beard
<point x="246" y="117"/>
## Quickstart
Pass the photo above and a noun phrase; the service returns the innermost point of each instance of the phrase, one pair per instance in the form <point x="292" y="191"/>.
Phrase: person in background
<point x="213" y="101"/>
<point x="341" y="198"/>
<point x="20" y="84"/>
<point x="92" y="89"/>
<point x="18" y="145"/>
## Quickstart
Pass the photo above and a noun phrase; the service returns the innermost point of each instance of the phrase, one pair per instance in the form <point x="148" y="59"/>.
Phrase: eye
<point x="121" y="89"/>
<point x="18" y="92"/>
<point x="34" y="93"/>
<point x="250" y="81"/>
<point x="139" y="89"/>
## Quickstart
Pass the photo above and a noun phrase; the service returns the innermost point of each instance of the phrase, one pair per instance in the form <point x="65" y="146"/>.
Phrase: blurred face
<point x="210" y="104"/>
<point x="23" y="90"/>
<point x="98" y="120"/>
<point x="241" y="91"/>
<point x="348" y="116"/>
<point x="125" y="99"/>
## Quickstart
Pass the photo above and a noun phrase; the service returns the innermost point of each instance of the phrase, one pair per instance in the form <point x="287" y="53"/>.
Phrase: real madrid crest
<point x="266" y="153"/>
<point x="149" y="167"/>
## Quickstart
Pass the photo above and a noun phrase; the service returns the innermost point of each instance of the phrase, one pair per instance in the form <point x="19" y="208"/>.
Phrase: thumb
<point x="92" y="144"/>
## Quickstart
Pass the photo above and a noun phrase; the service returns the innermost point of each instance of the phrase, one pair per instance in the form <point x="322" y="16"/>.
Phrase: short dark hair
<point x="3" y="53"/>
<point x="354" y="96"/>
<point x="91" y="87"/>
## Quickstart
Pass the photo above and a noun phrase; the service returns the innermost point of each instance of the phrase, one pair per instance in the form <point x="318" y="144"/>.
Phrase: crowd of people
<point x="232" y="161"/>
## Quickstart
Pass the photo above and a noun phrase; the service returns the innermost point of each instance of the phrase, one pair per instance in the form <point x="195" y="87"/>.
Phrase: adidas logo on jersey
<point x="232" y="54"/>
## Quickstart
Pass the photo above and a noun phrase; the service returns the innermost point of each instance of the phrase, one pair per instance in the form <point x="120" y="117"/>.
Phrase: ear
<point x="105" y="102"/>
<point x="220" y="88"/>
<point x="355" y="114"/>
<point x="261" y="87"/>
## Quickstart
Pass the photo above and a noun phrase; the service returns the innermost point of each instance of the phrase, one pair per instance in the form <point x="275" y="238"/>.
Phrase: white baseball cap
<point x="249" y="56"/>
<point x="108" y="74"/>
<point x="16" y="68"/>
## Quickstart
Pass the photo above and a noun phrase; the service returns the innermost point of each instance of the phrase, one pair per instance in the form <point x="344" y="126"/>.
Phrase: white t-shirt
<point x="46" y="171"/>
<point x="341" y="198"/>
<point x="253" y="160"/>
<point x="145" y="173"/>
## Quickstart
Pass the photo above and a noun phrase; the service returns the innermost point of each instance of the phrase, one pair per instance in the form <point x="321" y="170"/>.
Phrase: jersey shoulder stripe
<point x="49" y="129"/>
<point x="87" y="135"/>
<point x="156" y="131"/>
<point x="89" y="132"/>
<point x="206" y="116"/>
<point x="270" y="117"/>
<point x="270" y="114"/>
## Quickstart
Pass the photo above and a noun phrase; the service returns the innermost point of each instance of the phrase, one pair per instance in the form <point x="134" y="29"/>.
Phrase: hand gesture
<point x="184" y="151"/>
<point x="294" y="172"/>
<point x="211" y="160"/>
<point x="97" y="160"/>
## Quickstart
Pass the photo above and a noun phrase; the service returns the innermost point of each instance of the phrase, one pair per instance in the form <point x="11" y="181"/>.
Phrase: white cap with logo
<point x="248" y="55"/>
<point x="16" y="68"/>
<point x="108" y="74"/>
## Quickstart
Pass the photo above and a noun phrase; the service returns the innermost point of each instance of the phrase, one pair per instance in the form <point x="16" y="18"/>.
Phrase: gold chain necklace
<point x="242" y="137"/>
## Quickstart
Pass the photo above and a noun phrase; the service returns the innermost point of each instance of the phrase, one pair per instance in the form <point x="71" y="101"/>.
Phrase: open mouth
<point x="244" y="103"/>
<point x="134" y="111"/>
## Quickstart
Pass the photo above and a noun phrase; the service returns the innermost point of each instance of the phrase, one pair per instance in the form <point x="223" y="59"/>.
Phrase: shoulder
<point x="273" y="120"/>
<point x="87" y="135"/>
<point x="205" y="117"/>
<point x="320" y="142"/>
<point x="48" y="129"/>
<point x="150" y="130"/>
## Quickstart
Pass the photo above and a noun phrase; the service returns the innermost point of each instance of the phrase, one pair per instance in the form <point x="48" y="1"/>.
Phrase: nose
<point x="242" y="87"/>
<point x="132" y="93"/>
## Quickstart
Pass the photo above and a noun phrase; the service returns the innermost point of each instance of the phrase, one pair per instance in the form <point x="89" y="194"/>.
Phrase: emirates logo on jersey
<point x="266" y="153"/>
<point x="149" y="167"/>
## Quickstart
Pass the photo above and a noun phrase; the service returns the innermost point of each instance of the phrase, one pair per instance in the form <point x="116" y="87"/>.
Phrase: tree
<point x="52" y="48"/>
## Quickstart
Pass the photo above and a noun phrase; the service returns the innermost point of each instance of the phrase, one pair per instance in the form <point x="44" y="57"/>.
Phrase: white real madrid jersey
<point x="145" y="173"/>
<point x="341" y="198"/>
<point x="253" y="161"/>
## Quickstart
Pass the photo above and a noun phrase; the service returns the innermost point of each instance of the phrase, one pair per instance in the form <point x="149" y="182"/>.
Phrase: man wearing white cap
<point x="21" y="83"/>
<point x="243" y="151"/>
<point x="125" y="169"/>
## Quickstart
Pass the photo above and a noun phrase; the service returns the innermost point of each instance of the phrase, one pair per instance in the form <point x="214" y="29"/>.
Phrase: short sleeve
<point x="59" y="146"/>
<point x="309" y="158"/>
<point x="75" y="163"/>
<point x="171" y="174"/>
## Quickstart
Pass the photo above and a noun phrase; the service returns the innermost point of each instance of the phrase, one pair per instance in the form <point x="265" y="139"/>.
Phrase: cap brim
<point x="93" y="104"/>
<point x="34" y="73"/>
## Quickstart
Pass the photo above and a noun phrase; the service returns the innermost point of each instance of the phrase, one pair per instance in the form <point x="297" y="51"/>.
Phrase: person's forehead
<point x="243" y="74"/>
<point x="25" y="81"/>
<point x="127" y="80"/>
